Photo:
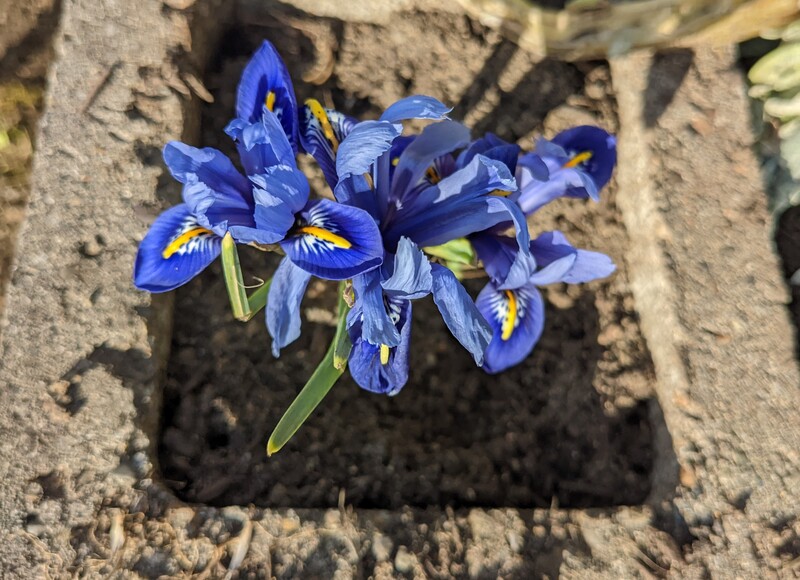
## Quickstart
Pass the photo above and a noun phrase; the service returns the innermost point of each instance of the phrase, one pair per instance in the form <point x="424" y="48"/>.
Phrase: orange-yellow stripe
<point x="578" y="159"/>
<point x="500" y="193"/>
<point x="384" y="354"/>
<point x="321" y="116"/>
<point x="178" y="242"/>
<point x="326" y="235"/>
<point x="433" y="175"/>
<point x="511" y="317"/>
<point x="270" y="101"/>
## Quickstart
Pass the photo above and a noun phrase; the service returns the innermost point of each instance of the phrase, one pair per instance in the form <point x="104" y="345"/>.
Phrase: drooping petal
<point x="417" y="158"/>
<point x="335" y="241"/>
<point x="415" y="107"/>
<point x="266" y="83"/>
<point x="175" y="250"/>
<point x="361" y="148"/>
<point x="460" y="314"/>
<point x="591" y="149"/>
<point x="321" y="132"/>
<point x="551" y="247"/>
<point x="411" y="278"/>
<point x="517" y="321"/>
<point x="214" y="191"/>
<point x="457" y="206"/>
<point x="380" y="368"/>
<point x="370" y="312"/>
<point x="283" y="304"/>
<point x="262" y="144"/>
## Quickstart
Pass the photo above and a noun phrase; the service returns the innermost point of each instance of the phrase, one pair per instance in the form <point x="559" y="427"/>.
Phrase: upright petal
<point x="517" y="321"/>
<point x="279" y="194"/>
<point x="371" y="313"/>
<point x="411" y="278"/>
<point x="266" y="83"/>
<point x="334" y="241"/>
<point x="380" y="368"/>
<point x="417" y="158"/>
<point x="283" y="304"/>
<point x="262" y="144"/>
<point x="562" y="182"/>
<point x="321" y="132"/>
<point x="460" y="314"/>
<point x="214" y="191"/>
<point x="457" y="206"/>
<point x="175" y="250"/>
<point x="491" y="146"/>
<point x="552" y="247"/>
<point x="506" y="266"/>
<point x="361" y="148"/>
<point x="415" y="107"/>
<point x="590" y="149"/>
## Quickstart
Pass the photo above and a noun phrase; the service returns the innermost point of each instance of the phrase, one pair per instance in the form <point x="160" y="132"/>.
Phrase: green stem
<point x="342" y="344"/>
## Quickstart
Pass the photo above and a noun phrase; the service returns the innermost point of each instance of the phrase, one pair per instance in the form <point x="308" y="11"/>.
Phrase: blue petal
<point x="415" y="107"/>
<point x="370" y="311"/>
<point x="266" y="73"/>
<point x="506" y="266"/>
<point x="356" y="191"/>
<point x="365" y="358"/>
<point x="562" y="182"/>
<point x="492" y="147"/>
<point x="551" y="247"/>
<point x="411" y="278"/>
<point x="519" y="311"/>
<point x="214" y="190"/>
<point x="435" y="140"/>
<point x="321" y="132"/>
<point x="602" y="146"/>
<point x="335" y="241"/>
<point x="262" y="144"/>
<point x="534" y="166"/>
<point x="457" y="206"/>
<point x="283" y="304"/>
<point x="190" y="248"/>
<point x="279" y="194"/>
<point x="460" y="314"/>
<point x="361" y="148"/>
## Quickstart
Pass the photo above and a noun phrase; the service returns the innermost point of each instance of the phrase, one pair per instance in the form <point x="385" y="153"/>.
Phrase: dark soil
<point x="570" y="426"/>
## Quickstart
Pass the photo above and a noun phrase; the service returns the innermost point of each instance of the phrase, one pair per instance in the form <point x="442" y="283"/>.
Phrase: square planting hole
<point x="569" y="426"/>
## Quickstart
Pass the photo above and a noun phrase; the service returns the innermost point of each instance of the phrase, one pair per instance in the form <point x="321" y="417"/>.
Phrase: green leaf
<point x="312" y="394"/>
<point x="458" y="251"/>
<point x="232" y="271"/>
<point x="341" y="343"/>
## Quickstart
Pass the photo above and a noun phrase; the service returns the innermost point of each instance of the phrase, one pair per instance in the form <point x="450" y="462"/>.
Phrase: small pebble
<point x="403" y="561"/>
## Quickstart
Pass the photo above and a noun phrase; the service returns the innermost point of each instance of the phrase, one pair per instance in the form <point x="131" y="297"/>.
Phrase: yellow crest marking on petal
<point x="322" y="117"/>
<point x="511" y="317"/>
<point x="500" y="193"/>
<point x="270" y="101"/>
<point x="384" y="354"/>
<point x="328" y="236"/>
<point x="433" y="175"/>
<point x="370" y="182"/>
<point x="578" y="159"/>
<point x="178" y="242"/>
<point x="395" y="161"/>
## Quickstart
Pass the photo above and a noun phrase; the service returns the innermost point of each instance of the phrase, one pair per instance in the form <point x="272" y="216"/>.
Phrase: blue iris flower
<point x="396" y="180"/>
<point x="270" y="206"/>
<point x="579" y="162"/>
<point x="265" y="83"/>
